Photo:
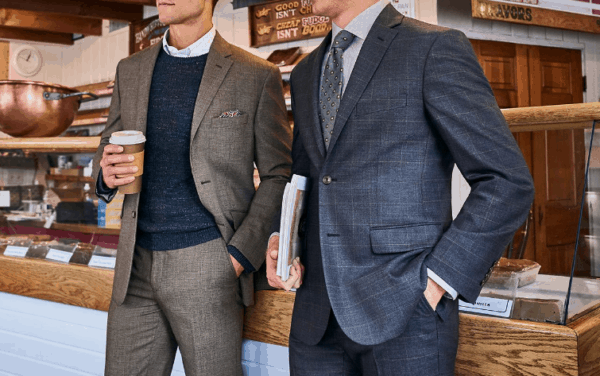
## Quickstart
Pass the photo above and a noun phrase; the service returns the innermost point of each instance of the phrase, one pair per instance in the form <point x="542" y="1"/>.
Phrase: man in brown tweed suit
<point x="191" y="239"/>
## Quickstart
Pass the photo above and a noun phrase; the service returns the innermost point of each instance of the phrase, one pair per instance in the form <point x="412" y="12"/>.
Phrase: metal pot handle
<point x="52" y="96"/>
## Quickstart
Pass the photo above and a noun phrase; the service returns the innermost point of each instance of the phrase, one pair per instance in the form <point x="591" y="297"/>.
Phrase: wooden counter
<point x="487" y="346"/>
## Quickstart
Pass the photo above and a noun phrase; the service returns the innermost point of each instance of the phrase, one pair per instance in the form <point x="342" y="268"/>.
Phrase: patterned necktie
<point x="332" y="83"/>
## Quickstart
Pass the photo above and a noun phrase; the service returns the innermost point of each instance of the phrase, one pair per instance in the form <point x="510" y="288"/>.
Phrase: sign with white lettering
<point x="145" y="33"/>
<point x="14" y="251"/>
<point x="406" y="7"/>
<point x="57" y="255"/>
<point x="524" y="12"/>
<point x="285" y="21"/>
<point x="488" y="306"/>
<point x="102" y="262"/>
<point x="589" y="7"/>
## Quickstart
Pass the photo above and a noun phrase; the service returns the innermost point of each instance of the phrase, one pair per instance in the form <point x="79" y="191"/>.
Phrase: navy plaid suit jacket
<point x="379" y="207"/>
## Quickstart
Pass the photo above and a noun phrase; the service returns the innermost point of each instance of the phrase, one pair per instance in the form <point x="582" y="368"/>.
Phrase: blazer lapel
<point x="147" y="70"/>
<point x="217" y="66"/>
<point x="373" y="50"/>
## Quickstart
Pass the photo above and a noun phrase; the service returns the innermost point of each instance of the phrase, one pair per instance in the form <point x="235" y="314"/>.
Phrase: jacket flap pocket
<point x="404" y="238"/>
<point x="369" y="106"/>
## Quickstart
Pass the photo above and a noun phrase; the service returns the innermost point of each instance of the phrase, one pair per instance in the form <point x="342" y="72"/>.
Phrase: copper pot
<point x="38" y="109"/>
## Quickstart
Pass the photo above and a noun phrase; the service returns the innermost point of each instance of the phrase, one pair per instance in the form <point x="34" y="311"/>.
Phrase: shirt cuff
<point x="450" y="292"/>
<point x="273" y="234"/>
<point x="103" y="191"/>
<point x="233" y="251"/>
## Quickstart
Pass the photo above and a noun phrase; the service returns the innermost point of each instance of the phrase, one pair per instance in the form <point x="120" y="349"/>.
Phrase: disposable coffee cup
<point x="133" y="143"/>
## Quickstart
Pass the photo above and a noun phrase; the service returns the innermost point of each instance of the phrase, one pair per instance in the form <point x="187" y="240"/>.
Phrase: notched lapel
<point x="217" y="66"/>
<point x="147" y="70"/>
<point x="373" y="50"/>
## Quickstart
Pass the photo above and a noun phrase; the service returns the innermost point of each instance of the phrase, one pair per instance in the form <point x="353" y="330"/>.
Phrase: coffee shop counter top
<point x="487" y="345"/>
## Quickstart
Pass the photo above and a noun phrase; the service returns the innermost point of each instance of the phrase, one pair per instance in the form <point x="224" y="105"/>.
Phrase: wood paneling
<point x="85" y="8"/>
<point x="69" y="284"/>
<point x="50" y="22"/>
<point x="4" y="60"/>
<point x="588" y="333"/>
<point x="53" y="144"/>
<point x="522" y="76"/>
<point x="10" y="33"/>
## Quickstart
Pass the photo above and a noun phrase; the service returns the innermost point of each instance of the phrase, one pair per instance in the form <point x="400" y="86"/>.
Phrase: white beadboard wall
<point x="38" y="337"/>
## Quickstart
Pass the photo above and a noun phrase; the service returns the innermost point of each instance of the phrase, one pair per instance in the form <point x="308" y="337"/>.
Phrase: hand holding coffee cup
<point x="123" y="161"/>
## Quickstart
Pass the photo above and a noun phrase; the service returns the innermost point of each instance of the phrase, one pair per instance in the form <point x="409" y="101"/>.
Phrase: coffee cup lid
<point x="127" y="138"/>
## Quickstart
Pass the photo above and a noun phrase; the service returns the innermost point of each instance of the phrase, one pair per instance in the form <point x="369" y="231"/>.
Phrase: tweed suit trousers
<point x="187" y="298"/>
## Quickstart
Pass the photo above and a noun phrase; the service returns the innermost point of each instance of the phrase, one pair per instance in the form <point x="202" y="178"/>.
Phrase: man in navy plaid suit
<point x="384" y="109"/>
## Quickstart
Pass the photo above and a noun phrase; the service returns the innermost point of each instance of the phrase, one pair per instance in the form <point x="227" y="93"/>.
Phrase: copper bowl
<point x="38" y="109"/>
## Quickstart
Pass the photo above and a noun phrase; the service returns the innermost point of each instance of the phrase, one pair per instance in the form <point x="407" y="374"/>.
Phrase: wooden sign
<point x="285" y="21"/>
<point x="145" y="33"/>
<point x="519" y="13"/>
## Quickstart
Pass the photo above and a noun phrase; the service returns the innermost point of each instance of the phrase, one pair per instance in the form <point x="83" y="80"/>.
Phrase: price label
<point x="4" y="199"/>
<point x="60" y="256"/>
<point x="14" y="251"/>
<point x="102" y="262"/>
<point x="488" y="306"/>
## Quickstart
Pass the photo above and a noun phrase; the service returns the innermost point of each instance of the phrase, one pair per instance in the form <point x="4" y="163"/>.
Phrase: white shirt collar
<point x="198" y="48"/>
<point x="361" y="24"/>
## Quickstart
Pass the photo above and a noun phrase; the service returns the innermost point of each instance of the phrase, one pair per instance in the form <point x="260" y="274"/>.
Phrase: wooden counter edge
<point x="587" y="329"/>
<point x="486" y="344"/>
<point x="72" y="284"/>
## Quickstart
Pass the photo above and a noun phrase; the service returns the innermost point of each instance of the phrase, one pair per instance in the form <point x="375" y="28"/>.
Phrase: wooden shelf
<point x="544" y="118"/>
<point x="102" y="89"/>
<point x="52" y="144"/>
<point x="90" y="117"/>
<point x="71" y="178"/>
<point x="73" y="227"/>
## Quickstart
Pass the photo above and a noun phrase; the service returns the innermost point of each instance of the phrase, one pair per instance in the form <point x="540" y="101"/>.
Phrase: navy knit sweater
<point x="171" y="215"/>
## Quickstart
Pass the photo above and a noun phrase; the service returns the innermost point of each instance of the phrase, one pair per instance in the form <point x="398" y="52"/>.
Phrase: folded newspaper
<point x="292" y="207"/>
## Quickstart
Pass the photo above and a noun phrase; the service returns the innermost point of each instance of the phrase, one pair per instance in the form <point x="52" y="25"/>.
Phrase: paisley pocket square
<point x="230" y="114"/>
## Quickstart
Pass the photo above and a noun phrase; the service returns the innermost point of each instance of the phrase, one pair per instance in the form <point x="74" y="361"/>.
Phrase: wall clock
<point x="27" y="61"/>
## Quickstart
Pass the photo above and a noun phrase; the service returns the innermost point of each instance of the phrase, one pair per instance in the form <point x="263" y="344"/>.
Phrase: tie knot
<point x="343" y="40"/>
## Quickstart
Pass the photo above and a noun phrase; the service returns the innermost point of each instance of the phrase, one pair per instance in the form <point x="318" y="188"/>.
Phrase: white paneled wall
<point x="89" y="60"/>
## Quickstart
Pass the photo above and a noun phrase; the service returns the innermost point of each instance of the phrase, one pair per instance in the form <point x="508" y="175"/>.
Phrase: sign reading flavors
<point x="406" y="7"/>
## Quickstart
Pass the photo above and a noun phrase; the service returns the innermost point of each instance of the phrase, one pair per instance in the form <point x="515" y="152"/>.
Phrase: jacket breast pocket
<point x="230" y="122"/>
<point x="398" y="239"/>
<point x="376" y="106"/>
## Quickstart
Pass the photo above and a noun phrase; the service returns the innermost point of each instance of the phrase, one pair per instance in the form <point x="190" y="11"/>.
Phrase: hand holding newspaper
<point x="292" y="207"/>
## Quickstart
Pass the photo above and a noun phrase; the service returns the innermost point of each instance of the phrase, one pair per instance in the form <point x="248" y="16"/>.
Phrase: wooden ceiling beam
<point x="109" y="10"/>
<point x="138" y="2"/>
<point x="11" y="33"/>
<point x="50" y="22"/>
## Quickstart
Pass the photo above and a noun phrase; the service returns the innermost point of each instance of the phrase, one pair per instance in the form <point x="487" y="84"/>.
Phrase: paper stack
<point x="292" y="208"/>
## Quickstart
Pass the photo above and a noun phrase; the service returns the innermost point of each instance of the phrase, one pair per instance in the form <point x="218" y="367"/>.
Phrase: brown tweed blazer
<point x="223" y="151"/>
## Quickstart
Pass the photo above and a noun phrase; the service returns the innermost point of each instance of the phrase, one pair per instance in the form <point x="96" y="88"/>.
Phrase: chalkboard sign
<point x="145" y="33"/>
<point x="285" y="21"/>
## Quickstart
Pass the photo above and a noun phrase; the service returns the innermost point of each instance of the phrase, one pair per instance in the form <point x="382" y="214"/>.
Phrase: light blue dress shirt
<point x="198" y="48"/>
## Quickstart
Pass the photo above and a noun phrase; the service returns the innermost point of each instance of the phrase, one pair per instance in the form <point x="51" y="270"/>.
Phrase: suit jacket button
<point x="132" y="214"/>
<point x="326" y="179"/>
